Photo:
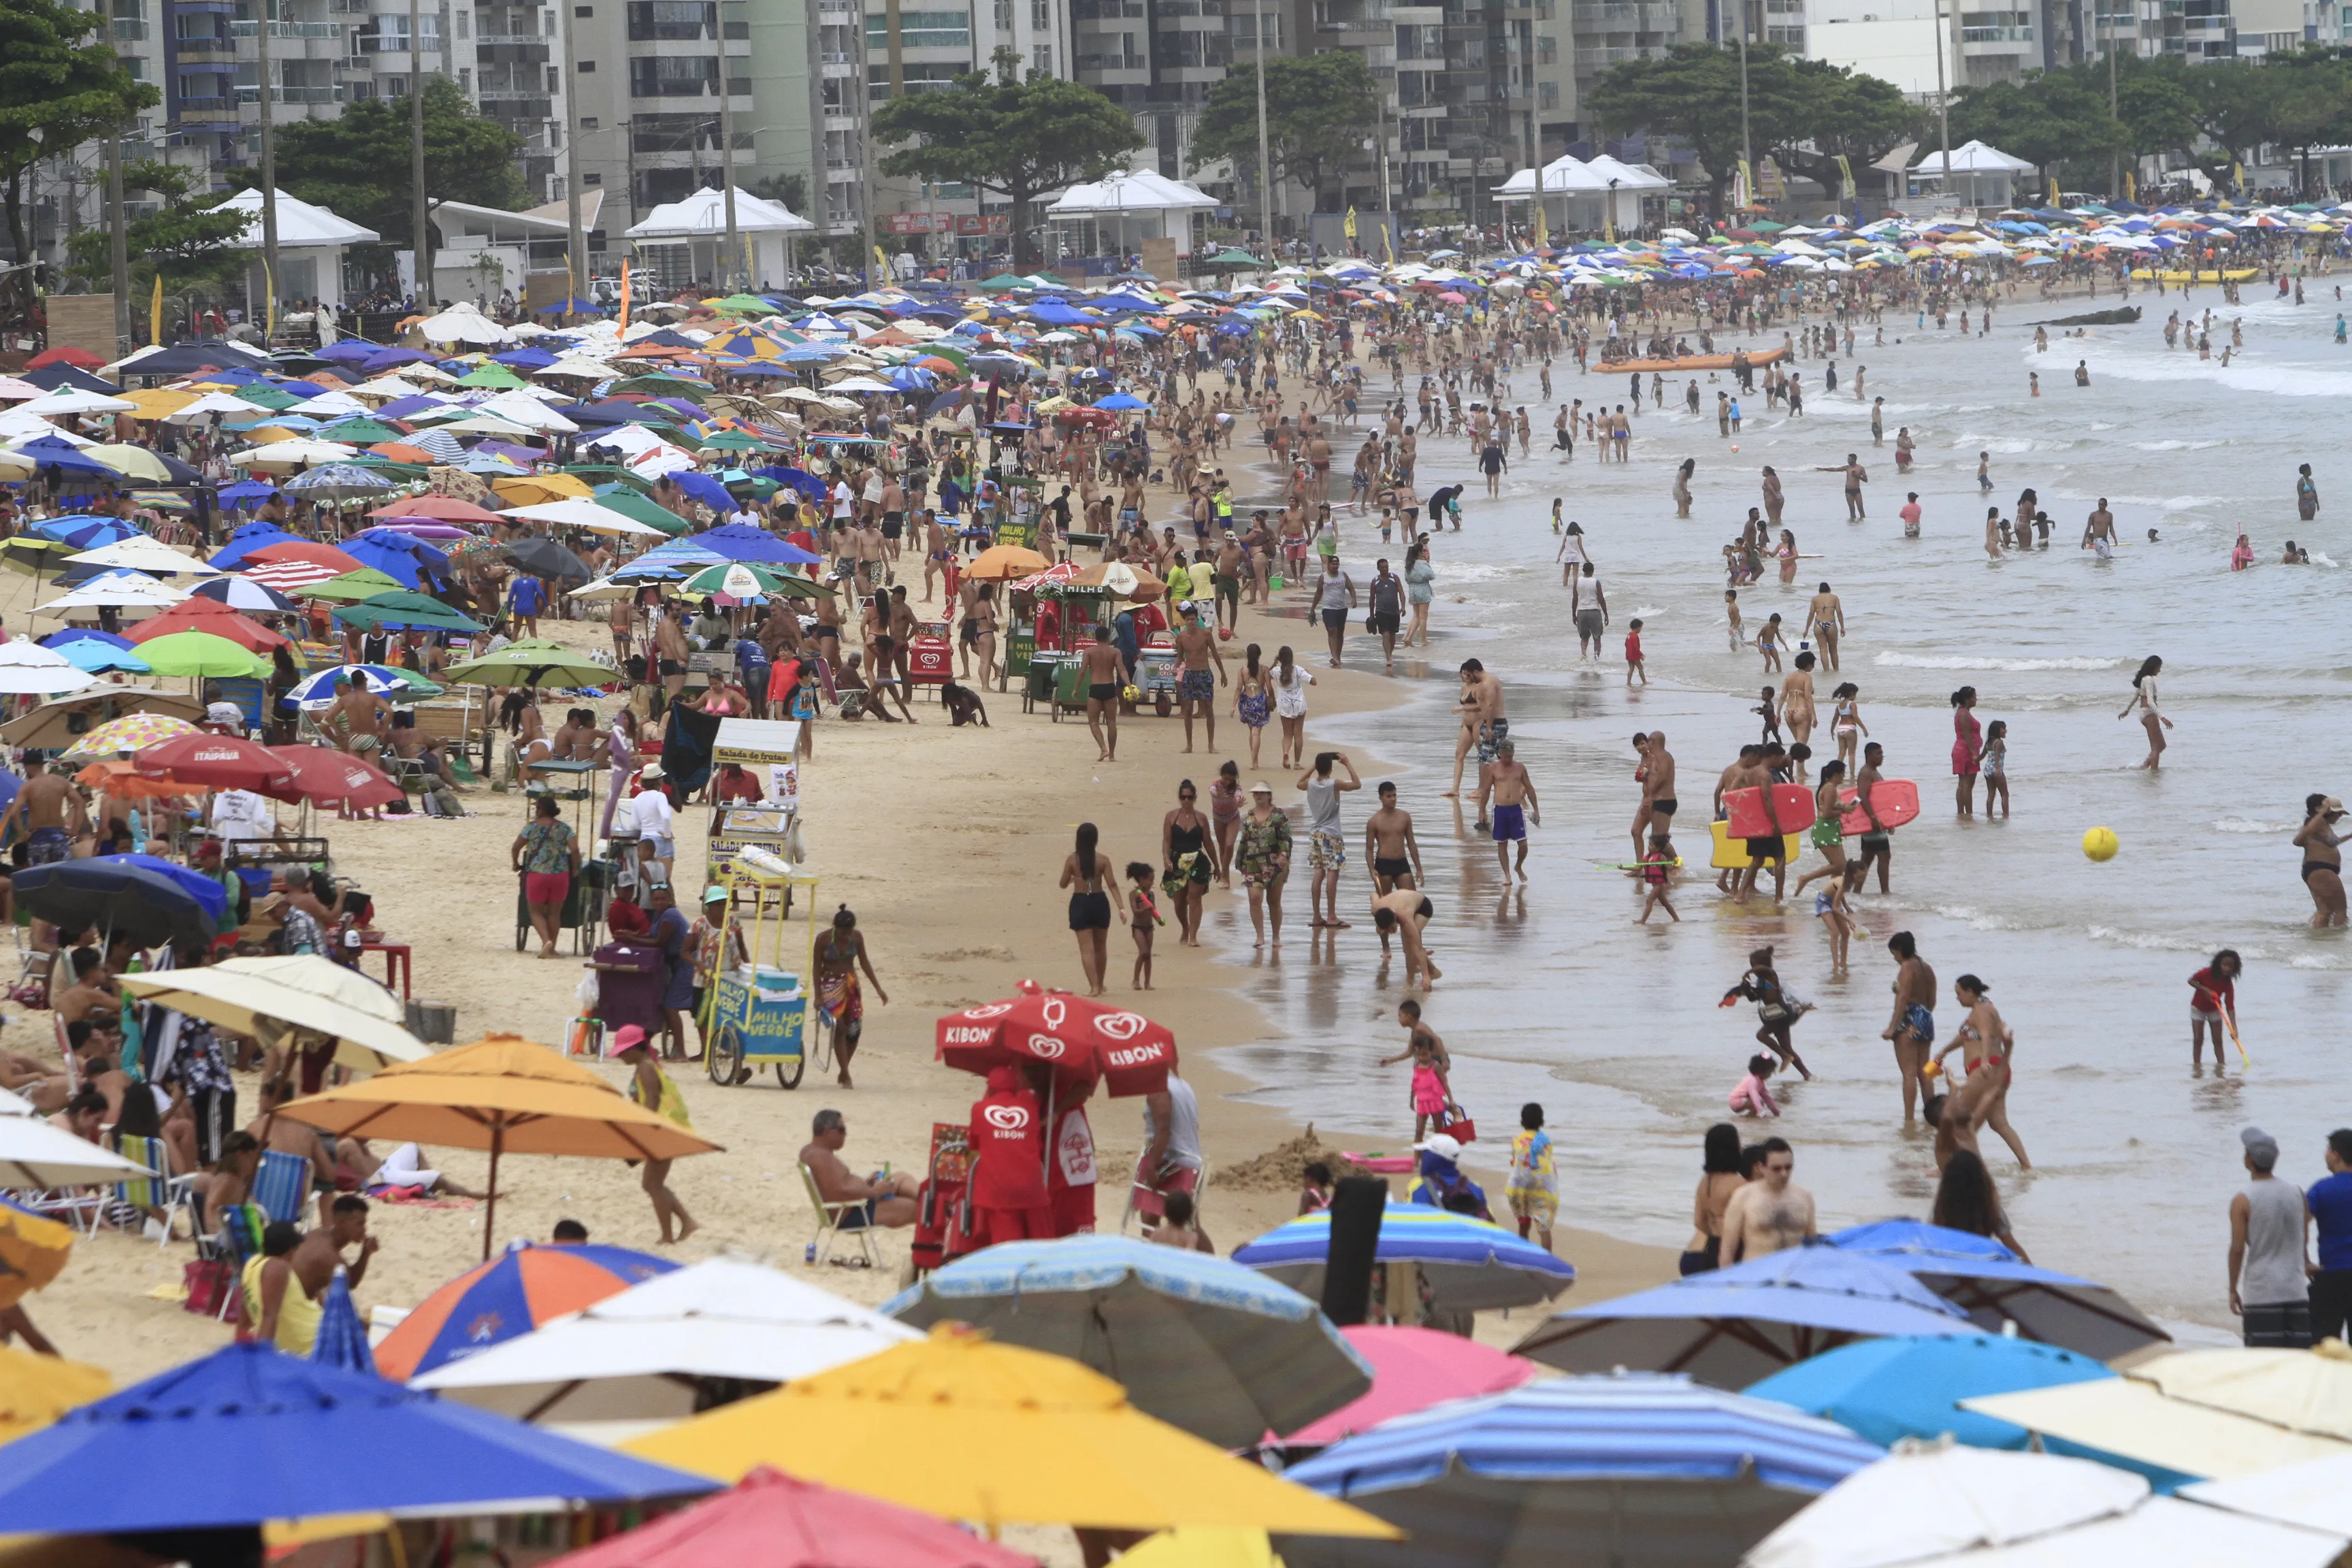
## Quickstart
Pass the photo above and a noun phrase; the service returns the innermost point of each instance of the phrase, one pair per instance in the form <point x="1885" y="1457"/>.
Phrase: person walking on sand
<point x="1253" y="704"/>
<point x="1335" y="598"/>
<point x="1087" y="871"/>
<point x="1386" y="593"/>
<point x="1777" y="1012"/>
<point x="1326" y="841"/>
<point x="1656" y="775"/>
<point x="1104" y="675"/>
<point x="2151" y="717"/>
<point x="1390" y="847"/>
<point x="1828" y="837"/>
<point x="1988" y="1049"/>
<point x="1196" y="650"/>
<point x="1262" y="855"/>
<point x="1513" y="795"/>
<point x="1189" y="862"/>
<point x="657" y="1092"/>
<point x="1420" y="589"/>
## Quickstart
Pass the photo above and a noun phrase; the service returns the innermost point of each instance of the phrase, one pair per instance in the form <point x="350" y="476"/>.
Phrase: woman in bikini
<point x="1788" y="554"/>
<point x="1968" y="749"/>
<point x="2151" y="719"/>
<point x="1797" y="711"/>
<point x="1252" y="702"/>
<point x="1087" y="871"/>
<point x="1845" y="721"/>
<point x="2323" y="859"/>
<point x="1718" y="1178"/>
<point x="1987" y="1052"/>
<point x="1828" y="837"/>
<point x="1188" y="862"/>
<point x="1226" y="818"/>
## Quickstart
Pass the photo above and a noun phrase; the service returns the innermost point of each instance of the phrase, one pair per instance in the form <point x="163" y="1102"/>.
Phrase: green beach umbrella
<point x="358" y="432"/>
<point x="533" y="661"/>
<point x="492" y="376"/>
<point x="406" y="609"/>
<point x="663" y="387"/>
<point x="353" y="587"/>
<point x="631" y="504"/>
<point x="200" y="654"/>
<point x="1001" y="282"/>
<point x="270" y="397"/>
<point x="748" y="580"/>
<point x="734" y="441"/>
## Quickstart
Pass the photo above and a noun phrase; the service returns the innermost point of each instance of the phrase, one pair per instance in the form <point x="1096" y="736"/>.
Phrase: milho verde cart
<point x="758" y="1015"/>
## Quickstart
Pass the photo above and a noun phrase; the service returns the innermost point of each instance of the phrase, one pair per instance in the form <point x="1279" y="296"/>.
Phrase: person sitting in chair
<point x="886" y="1200"/>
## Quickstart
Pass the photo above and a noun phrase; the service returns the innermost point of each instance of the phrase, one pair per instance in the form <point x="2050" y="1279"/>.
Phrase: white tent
<point x="1978" y="172"/>
<point x="310" y="241"/>
<point x="1587" y="195"/>
<point x="1134" y="204"/>
<point x="633" y="1361"/>
<point x="698" y="223"/>
<point x="461" y="324"/>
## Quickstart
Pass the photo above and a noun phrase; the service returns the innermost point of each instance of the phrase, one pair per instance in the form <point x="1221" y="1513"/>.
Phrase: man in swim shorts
<point x="1514" y="796"/>
<point x="1104" y="675"/>
<point x="1197" y="683"/>
<point x="1390" y="847"/>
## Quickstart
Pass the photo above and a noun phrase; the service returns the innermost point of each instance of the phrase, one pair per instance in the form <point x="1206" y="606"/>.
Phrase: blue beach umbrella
<point x="316" y="691"/>
<point x="1996" y="1288"/>
<point x="1469" y="1265"/>
<point x="309" y="1439"/>
<point x="1735" y="1325"/>
<point x="253" y="536"/>
<point x="704" y="488"/>
<point x="1201" y="1342"/>
<point x="1631" y="1469"/>
<point x="738" y="542"/>
<point x="244" y="594"/>
<point x="245" y="493"/>
<point x="1120" y="403"/>
<point x="98" y="658"/>
<point x="342" y="1340"/>
<point x="1905" y="1387"/>
<point x="404" y="558"/>
<point x="133" y="901"/>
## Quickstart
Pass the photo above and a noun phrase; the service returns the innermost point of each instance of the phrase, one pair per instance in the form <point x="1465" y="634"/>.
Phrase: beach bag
<point x="211" y="1285"/>
<point x="1456" y="1124"/>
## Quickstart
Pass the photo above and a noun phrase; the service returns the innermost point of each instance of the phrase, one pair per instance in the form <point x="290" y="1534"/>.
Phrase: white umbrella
<point x="13" y="1104"/>
<point x="462" y="323"/>
<point x="1927" y="1500"/>
<point x="485" y="425"/>
<point x="2316" y="1495"/>
<point x="35" y="1153"/>
<point x="144" y="552"/>
<point x="135" y="589"/>
<point x="577" y="513"/>
<point x="630" y="1364"/>
<point x="263" y="995"/>
<point x="212" y="402"/>
<point x="2162" y="1533"/>
<point x="522" y="408"/>
<point x="293" y="454"/>
<point x="27" y="667"/>
<point x="74" y="400"/>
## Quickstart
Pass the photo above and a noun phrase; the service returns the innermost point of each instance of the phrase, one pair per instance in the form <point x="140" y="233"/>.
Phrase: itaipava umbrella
<point x="1205" y="1344"/>
<point x="512" y="1294"/>
<point x="220" y="762"/>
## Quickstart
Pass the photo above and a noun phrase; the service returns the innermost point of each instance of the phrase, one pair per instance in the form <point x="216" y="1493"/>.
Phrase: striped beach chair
<point x="170" y="1193"/>
<point x="281" y="1183"/>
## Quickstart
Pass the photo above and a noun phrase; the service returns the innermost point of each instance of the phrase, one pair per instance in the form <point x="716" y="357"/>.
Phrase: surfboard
<point x="1898" y="800"/>
<point x="1731" y="854"/>
<point x="1792" y="811"/>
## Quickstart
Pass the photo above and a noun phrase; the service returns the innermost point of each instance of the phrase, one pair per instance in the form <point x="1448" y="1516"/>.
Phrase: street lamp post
<point x="421" y="245"/>
<point x="269" y="172"/>
<point x="577" y="238"/>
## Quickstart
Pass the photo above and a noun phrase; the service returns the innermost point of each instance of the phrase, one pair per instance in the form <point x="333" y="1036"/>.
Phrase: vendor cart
<point x="762" y="747"/>
<point x="757" y="1012"/>
<point x="931" y="656"/>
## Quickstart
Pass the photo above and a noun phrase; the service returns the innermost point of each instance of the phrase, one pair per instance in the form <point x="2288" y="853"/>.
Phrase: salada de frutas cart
<point x="763" y="748"/>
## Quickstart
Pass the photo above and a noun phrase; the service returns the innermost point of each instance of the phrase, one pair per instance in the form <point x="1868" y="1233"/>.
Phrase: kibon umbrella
<point x="220" y="762"/>
<point x="503" y="1094"/>
<point x="767" y="1519"/>
<point x="309" y="1439"/>
<point x="962" y="1427"/>
<point x="1205" y="1344"/>
<point x="1468" y="1264"/>
<point x="1081" y="1039"/>
<point x="1996" y="1288"/>
<point x="511" y="1295"/>
<point x="270" y="996"/>
<point x="1630" y="1469"/>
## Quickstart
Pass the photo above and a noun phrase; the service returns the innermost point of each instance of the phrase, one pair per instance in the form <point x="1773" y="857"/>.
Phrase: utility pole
<point x="1944" y="101"/>
<point x="268" y="170"/>
<point x="1265" y="147"/>
<point x="120" y="224"/>
<point x="726" y="166"/>
<point x="2115" y="161"/>
<point x="421" y="242"/>
<point x="1747" y="152"/>
<point x="577" y="263"/>
<point x="864" y="87"/>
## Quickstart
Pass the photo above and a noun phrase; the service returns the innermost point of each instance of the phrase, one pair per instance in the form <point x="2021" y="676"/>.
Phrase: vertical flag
<point x="1743" y="182"/>
<point x="155" y="310"/>
<point x="2130" y="187"/>
<point x="1349" y="225"/>
<point x="624" y="293"/>
<point x="1543" y="223"/>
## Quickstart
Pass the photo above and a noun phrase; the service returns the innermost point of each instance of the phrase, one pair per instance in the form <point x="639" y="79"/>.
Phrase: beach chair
<point x="834" y="1220"/>
<point x="160" y="1191"/>
<point x="1145" y="1199"/>
<point x="80" y="1207"/>
<point x="281" y="1183"/>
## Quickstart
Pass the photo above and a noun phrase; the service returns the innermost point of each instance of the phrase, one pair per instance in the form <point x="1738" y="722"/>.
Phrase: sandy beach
<point x="947" y="844"/>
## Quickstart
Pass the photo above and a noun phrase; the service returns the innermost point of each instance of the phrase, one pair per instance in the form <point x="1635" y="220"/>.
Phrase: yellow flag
<point x="624" y="293"/>
<point x="1543" y="222"/>
<point x="155" y="310"/>
<point x="2130" y="187"/>
<point x="1846" y="178"/>
<point x="2054" y="190"/>
<point x="1386" y="248"/>
<point x="1348" y="227"/>
<point x="571" y="288"/>
<point x="881" y="263"/>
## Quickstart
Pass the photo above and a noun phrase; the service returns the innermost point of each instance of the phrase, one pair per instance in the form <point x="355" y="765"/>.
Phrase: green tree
<point x="360" y="163"/>
<point x="1691" y="93"/>
<point x="791" y="189"/>
<point x="2158" y="111"/>
<point x="190" y="238"/>
<point x="1841" y="112"/>
<point x="2050" y="118"/>
<point x="2306" y="103"/>
<point x="1018" y="136"/>
<point x="60" y="86"/>
<point x="1319" y="110"/>
<point x="2232" y="115"/>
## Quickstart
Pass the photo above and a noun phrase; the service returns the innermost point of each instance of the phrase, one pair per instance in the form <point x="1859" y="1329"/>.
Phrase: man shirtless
<point x="1232" y="567"/>
<point x="2099" y="531"/>
<point x="1104" y="674"/>
<point x="623" y="620"/>
<point x="1483" y="723"/>
<point x="1756" y="774"/>
<point x="1771" y="1213"/>
<point x="319" y="1252"/>
<point x="939" y="551"/>
<point x="1513" y="793"/>
<point x="885" y="1200"/>
<point x="1877" y="846"/>
<point x="51" y="812"/>
<point x="1390" y="847"/>
<point x="1196" y="684"/>
<point x="1825" y="618"/>
<point x="902" y="628"/>
<point x="1856" y="476"/>
<point x="670" y="652"/>
<point x="275" y="1133"/>
<point x="1405" y="912"/>
<point x="92" y="990"/>
<point x="1658" y="803"/>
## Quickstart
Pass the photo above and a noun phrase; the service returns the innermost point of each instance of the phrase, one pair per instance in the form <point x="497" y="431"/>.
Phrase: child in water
<point x="1994" y="765"/>
<point x="1533" y="1190"/>
<point x="1752" y="1098"/>
<point x="1777" y="1012"/>
<point x="1431" y="1064"/>
<point x="1657" y="890"/>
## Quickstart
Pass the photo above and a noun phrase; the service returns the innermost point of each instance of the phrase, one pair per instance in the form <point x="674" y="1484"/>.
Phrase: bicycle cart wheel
<point x="726" y="1055"/>
<point x="788" y="1073"/>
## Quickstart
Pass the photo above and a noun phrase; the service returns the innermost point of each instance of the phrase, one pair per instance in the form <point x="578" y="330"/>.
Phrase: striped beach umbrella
<point x="1469" y="1264"/>
<point x="511" y="1294"/>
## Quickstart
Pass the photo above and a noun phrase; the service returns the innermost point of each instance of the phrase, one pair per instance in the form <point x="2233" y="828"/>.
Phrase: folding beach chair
<point x="280" y="1184"/>
<point x="162" y="1191"/>
<point x="835" y="1220"/>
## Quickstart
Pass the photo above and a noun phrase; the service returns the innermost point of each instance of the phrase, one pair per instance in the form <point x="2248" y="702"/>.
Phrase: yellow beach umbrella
<point x="132" y="732"/>
<point x="1197" y="1547"/>
<point x="158" y="403"/>
<point x="1005" y="560"/>
<point x="541" y="489"/>
<point x="34" y="1389"/>
<point x="965" y="1429"/>
<point x="32" y="1251"/>
<point x="507" y="1095"/>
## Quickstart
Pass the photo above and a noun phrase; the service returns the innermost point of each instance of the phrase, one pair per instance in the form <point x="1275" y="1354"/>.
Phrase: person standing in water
<point x="2323" y="860"/>
<point x="1913" y="1028"/>
<point x="1797" y="711"/>
<point x="2307" y="494"/>
<point x="1986" y="1049"/>
<point x="1825" y="618"/>
<point x="2151" y="719"/>
<point x="2099" y="530"/>
<point x="1968" y="749"/>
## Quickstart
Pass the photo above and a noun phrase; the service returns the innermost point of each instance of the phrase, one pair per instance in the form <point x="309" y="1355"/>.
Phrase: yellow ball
<point x="2101" y="843"/>
<point x="1135" y="694"/>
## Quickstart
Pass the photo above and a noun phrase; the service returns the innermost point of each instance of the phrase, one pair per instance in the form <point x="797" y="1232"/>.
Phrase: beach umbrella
<point x="1633" y="1468"/>
<point x="244" y="594"/>
<point x="577" y="512"/>
<point x="427" y="528"/>
<point x="253" y="536"/>
<point x="769" y="1520"/>
<point x="299" y="453"/>
<point x="544" y="558"/>
<point x="2316" y="1495"/>
<point x="38" y="1156"/>
<point x="325" y="776"/>
<point x="270" y="997"/>
<point x="34" y="1389"/>
<point x="351" y="587"/>
<point x="1995" y="1288"/>
<point x="341" y="1339"/>
<point x="1898" y="1387"/>
<point x="27" y="669"/>
<point x="738" y="542"/>
<point x="1204" y="1344"/>
<point x="507" y="1297"/>
<point x="2210" y="1414"/>
<point x="215" y="619"/>
<point x="503" y="1094"/>
<point x="130" y="733"/>
<point x="1468" y="1264"/>
<point x="100" y="658"/>
<point x="287" y="1420"/>
<point x="963" y="1428"/>
<point x="403" y="610"/>
<point x="407" y="560"/>
<point x="530" y="661"/>
<point x="999" y="562"/>
<point x="618" y="496"/>
<point x="1082" y="1040"/>
<point x="119" y="900"/>
<point x="140" y="553"/>
<point x="133" y="462"/>
<point x="307" y="551"/>
<point x="219" y="762"/>
<point x="448" y="508"/>
<point x="1732" y="1326"/>
<point x="648" y="1356"/>
<point x="1412" y="1369"/>
<point x="121" y="590"/>
<point x="741" y="580"/>
<point x="32" y="1247"/>
<point x="317" y="689"/>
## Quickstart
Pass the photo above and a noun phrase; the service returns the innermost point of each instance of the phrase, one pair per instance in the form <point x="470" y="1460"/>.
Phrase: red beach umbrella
<point x="775" y="1521"/>
<point x="219" y="762"/>
<point x="1082" y="1040"/>
<point x="200" y="613"/>
<point x="448" y="508"/>
<point x="329" y="777"/>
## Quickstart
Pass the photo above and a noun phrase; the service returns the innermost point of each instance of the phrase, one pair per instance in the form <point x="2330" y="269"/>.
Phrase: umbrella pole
<point x="490" y="1214"/>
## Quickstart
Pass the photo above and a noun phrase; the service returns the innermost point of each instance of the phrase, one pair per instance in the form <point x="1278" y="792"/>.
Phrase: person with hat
<point x="2323" y="860"/>
<point x="655" y="815"/>
<point x="1262" y="853"/>
<point x="712" y="951"/>
<point x="657" y="1092"/>
<point x="2269" y="1244"/>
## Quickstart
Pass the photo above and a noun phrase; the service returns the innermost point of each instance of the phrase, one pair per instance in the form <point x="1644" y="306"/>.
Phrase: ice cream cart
<point x="756" y="1014"/>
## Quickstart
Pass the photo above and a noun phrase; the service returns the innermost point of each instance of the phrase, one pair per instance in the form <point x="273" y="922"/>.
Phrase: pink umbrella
<point x="427" y="528"/>
<point x="1412" y="1369"/>
<point x="1450" y="298"/>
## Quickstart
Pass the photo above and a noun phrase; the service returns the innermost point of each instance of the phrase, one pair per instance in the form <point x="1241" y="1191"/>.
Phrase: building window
<point x="1547" y="50"/>
<point x="588" y="123"/>
<point x="1548" y="94"/>
<point x="464" y="26"/>
<point x="917" y="78"/>
<point x="592" y="179"/>
<point x="922" y="30"/>
<point x="674" y="78"/>
<point x="1040" y="15"/>
<point x="1041" y="60"/>
<point x="672" y="20"/>
<point x="587" y="67"/>
<point x="584" y="12"/>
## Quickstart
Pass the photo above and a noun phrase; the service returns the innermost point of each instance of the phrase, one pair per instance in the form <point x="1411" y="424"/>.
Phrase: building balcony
<point x="195" y="53"/>
<point x="1624" y="16"/>
<point x="250" y="97"/>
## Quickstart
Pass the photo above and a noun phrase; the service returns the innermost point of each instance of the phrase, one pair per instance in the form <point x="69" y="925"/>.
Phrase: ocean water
<point x="1550" y="994"/>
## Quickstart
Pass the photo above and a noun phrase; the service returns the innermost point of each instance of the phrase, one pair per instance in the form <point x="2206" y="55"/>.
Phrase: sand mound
<point x="1283" y="1168"/>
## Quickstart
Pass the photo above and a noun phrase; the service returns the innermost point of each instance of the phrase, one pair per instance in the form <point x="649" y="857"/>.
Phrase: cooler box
<point x="930" y="660"/>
